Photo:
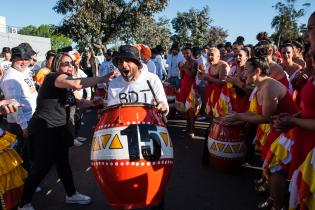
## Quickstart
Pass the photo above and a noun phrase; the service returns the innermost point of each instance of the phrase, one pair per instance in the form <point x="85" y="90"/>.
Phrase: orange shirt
<point x="41" y="74"/>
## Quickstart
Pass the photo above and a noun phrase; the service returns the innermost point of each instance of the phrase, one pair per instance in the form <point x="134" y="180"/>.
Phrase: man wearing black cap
<point x="131" y="86"/>
<point x="5" y="64"/>
<point x="18" y="84"/>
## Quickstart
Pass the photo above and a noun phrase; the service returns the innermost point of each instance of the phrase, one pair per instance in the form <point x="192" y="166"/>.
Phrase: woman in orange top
<point x="41" y="74"/>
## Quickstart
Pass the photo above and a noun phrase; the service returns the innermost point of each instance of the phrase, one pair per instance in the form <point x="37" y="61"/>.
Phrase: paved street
<point x="191" y="186"/>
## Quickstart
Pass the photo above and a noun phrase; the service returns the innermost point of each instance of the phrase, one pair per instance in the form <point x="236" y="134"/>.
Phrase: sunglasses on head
<point x="67" y="63"/>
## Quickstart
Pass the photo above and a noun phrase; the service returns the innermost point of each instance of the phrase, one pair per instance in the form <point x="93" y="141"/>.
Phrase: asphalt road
<point x="191" y="187"/>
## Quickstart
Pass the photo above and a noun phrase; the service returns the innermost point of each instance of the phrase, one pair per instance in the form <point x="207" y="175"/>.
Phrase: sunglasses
<point x="68" y="63"/>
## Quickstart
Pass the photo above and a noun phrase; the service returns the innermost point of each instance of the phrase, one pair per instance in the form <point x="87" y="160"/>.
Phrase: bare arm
<point x="65" y="81"/>
<point x="270" y="103"/>
<point x="224" y="68"/>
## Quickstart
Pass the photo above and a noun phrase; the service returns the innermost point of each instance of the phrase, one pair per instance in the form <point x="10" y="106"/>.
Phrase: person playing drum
<point x="132" y="86"/>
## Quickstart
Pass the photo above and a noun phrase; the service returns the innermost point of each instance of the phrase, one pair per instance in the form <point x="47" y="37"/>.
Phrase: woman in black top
<point x="49" y="136"/>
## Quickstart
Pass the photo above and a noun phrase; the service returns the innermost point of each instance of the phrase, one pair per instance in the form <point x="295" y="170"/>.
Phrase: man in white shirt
<point x="158" y="61"/>
<point x="18" y="84"/>
<point x="5" y="64"/>
<point x="107" y="66"/>
<point x="131" y="86"/>
<point x="173" y="60"/>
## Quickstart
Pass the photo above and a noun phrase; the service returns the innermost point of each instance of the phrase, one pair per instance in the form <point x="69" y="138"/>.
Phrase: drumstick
<point x="155" y="99"/>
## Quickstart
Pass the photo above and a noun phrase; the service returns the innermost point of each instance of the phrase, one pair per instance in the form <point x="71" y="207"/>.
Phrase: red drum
<point x="170" y="93"/>
<point x="132" y="156"/>
<point x="226" y="145"/>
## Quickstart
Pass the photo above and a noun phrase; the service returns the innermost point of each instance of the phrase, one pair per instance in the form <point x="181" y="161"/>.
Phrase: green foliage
<point x="57" y="40"/>
<point x="105" y="21"/>
<point x="195" y="27"/>
<point x="150" y="32"/>
<point x="216" y="35"/>
<point x="285" y="22"/>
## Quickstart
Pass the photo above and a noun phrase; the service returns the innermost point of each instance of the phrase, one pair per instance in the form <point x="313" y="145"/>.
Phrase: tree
<point x="194" y="27"/>
<point x="216" y="35"/>
<point x="152" y="32"/>
<point x="57" y="40"/>
<point x="285" y="23"/>
<point x="105" y="21"/>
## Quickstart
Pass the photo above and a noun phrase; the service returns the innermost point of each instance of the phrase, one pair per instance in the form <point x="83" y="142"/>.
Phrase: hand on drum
<point x="230" y="118"/>
<point x="282" y="122"/>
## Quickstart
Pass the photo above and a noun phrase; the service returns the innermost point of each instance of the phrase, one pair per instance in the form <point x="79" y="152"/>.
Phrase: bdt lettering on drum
<point x="134" y="97"/>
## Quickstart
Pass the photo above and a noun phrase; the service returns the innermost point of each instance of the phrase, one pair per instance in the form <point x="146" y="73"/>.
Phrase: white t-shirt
<point x="151" y="67"/>
<point x="81" y="74"/>
<point x="5" y="65"/>
<point x="122" y="92"/>
<point x="20" y="86"/>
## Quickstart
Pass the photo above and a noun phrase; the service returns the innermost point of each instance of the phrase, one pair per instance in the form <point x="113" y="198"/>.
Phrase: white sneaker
<point x="26" y="207"/>
<point x="77" y="143"/>
<point x="38" y="189"/>
<point x="78" y="198"/>
<point x="80" y="138"/>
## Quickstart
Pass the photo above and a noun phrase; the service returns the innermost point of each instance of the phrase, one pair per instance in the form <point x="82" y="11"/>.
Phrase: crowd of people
<point x="266" y="87"/>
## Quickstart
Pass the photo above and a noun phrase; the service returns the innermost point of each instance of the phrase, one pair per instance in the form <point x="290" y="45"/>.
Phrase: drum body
<point x="170" y="93"/>
<point x="226" y="146"/>
<point x="131" y="156"/>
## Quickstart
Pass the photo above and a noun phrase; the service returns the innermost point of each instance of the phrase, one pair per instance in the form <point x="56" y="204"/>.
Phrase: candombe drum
<point x="226" y="145"/>
<point x="170" y="93"/>
<point x="131" y="156"/>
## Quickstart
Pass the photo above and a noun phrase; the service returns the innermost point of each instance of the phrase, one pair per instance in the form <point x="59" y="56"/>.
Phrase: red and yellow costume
<point x="12" y="174"/>
<point x="212" y="94"/>
<point x="302" y="187"/>
<point x="187" y="98"/>
<point x="230" y="101"/>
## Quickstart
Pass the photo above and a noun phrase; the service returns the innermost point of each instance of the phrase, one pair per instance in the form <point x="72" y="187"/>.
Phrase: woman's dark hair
<point x="228" y="47"/>
<point x="50" y="53"/>
<point x="288" y="44"/>
<point x="196" y="51"/>
<point x="262" y="47"/>
<point x="239" y="40"/>
<point x="263" y="36"/>
<point x="57" y="60"/>
<point x="245" y="50"/>
<point x="261" y="63"/>
<point x="250" y="49"/>
<point x="221" y="45"/>
<point x="298" y="43"/>
<point x="187" y="48"/>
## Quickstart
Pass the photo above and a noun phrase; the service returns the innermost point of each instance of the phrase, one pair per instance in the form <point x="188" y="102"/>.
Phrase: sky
<point x="238" y="17"/>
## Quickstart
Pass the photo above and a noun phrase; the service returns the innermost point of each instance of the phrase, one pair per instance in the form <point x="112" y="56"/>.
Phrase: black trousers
<point x="48" y="146"/>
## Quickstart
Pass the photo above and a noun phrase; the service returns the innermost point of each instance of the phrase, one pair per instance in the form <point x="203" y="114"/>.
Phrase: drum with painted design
<point x="132" y="156"/>
<point x="170" y="93"/>
<point x="226" y="145"/>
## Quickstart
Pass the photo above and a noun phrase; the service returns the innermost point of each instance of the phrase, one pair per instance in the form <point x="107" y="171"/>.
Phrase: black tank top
<point x="52" y="102"/>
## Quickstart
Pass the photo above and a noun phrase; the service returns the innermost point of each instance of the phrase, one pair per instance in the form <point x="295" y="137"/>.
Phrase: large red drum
<point x="170" y="93"/>
<point x="226" y="145"/>
<point x="132" y="156"/>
